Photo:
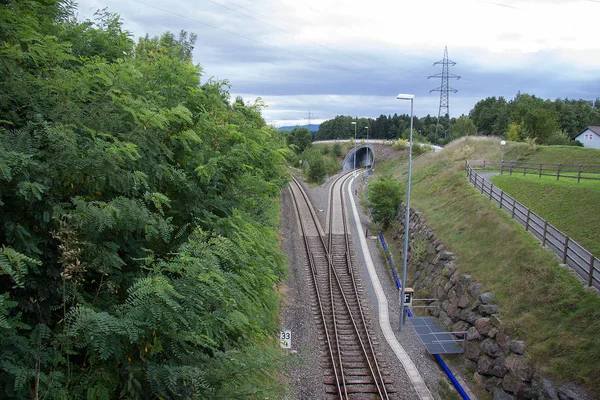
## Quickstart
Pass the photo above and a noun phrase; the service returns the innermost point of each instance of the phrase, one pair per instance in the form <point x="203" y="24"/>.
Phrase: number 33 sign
<point x="285" y="339"/>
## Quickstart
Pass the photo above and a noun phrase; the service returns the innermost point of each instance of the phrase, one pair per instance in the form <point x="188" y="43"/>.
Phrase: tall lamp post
<point x="368" y="155"/>
<point x="403" y="96"/>
<point x="502" y="143"/>
<point x="354" y="123"/>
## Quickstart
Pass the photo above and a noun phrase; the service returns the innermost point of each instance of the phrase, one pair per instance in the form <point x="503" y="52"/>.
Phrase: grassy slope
<point x="540" y="302"/>
<point x="572" y="207"/>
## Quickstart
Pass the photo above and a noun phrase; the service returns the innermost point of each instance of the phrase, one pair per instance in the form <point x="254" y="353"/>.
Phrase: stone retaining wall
<point x="498" y="362"/>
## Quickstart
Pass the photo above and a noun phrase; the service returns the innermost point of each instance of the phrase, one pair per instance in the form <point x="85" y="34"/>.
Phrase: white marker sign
<point x="285" y="339"/>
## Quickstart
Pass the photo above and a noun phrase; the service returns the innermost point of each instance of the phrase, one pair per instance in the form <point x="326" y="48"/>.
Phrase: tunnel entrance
<point x="364" y="155"/>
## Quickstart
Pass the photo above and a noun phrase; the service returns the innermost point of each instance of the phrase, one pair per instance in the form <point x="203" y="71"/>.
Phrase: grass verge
<point x="540" y="302"/>
<point x="572" y="207"/>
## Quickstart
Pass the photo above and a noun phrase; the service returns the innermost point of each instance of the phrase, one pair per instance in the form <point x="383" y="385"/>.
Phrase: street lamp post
<point x="368" y="154"/>
<point x="354" y="123"/>
<point x="410" y="97"/>
<point x="502" y="143"/>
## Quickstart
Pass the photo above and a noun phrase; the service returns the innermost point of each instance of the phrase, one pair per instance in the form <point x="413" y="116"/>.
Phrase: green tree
<point x="385" y="195"/>
<point x="300" y="139"/>
<point x="138" y="238"/>
<point x="463" y="126"/>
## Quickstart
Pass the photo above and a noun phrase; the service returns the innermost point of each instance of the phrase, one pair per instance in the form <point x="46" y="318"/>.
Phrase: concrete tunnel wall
<point x="365" y="156"/>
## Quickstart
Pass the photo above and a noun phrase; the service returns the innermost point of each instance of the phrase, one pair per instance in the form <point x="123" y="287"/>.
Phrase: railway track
<point x="354" y="371"/>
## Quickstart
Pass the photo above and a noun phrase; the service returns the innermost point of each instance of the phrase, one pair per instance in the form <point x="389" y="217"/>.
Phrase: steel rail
<point x="315" y="282"/>
<point x="337" y="292"/>
<point x="374" y="369"/>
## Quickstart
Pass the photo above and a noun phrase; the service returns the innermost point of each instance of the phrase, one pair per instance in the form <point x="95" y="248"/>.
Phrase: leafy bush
<point x="400" y="144"/>
<point x="385" y="195"/>
<point x="559" y="138"/>
<point x="138" y="207"/>
<point x="337" y="150"/>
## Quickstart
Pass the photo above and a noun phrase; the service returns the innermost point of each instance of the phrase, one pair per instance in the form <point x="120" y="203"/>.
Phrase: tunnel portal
<point x="364" y="154"/>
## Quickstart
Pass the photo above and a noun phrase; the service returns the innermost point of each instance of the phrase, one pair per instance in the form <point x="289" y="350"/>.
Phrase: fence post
<point x="540" y="175"/>
<point x="545" y="230"/>
<point x="513" y="209"/>
<point x="579" y="174"/>
<point x="511" y="167"/>
<point x="491" y="190"/>
<point x="558" y="172"/>
<point x="501" y="167"/>
<point x="565" y="249"/>
<point x="524" y="169"/>
<point x="501" y="197"/>
<point x="484" y="165"/>
<point x="527" y="222"/>
<point x="590" y="279"/>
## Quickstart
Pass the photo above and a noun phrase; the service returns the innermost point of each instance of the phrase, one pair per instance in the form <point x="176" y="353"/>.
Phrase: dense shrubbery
<point x="138" y="211"/>
<point x="385" y="195"/>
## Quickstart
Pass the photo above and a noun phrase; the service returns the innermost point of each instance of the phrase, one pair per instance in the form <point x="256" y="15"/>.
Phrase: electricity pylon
<point x="444" y="89"/>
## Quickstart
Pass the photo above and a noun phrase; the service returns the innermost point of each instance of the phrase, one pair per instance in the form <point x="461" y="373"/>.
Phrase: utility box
<point x="408" y="296"/>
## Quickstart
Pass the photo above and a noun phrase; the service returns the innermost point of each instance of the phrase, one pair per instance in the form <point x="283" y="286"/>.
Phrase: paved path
<point x="384" y="320"/>
<point x="488" y="175"/>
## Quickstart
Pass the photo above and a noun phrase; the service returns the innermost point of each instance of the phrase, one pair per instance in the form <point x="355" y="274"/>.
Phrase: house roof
<point x="593" y="128"/>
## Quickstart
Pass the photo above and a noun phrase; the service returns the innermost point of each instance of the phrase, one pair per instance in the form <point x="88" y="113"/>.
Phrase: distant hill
<point x="311" y="127"/>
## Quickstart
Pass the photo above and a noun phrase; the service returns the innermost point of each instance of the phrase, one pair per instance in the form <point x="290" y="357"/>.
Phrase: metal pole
<point x="368" y="154"/>
<point x="406" y="220"/>
<point x="355" y="124"/>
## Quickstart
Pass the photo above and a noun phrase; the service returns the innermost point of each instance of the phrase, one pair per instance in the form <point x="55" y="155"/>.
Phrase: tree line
<point x="524" y="117"/>
<point x="139" y="212"/>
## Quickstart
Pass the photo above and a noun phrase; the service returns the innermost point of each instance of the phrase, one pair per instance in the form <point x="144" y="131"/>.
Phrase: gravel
<point x="305" y="369"/>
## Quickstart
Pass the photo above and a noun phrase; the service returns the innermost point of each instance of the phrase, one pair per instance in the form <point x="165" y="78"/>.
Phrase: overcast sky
<point x="336" y="57"/>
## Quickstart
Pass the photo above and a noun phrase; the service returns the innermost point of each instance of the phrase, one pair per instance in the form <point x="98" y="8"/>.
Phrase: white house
<point x="590" y="137"/>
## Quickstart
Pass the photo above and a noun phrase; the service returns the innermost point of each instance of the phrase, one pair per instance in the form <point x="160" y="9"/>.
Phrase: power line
<point x="309" y="40"/>
<point x="244" y="37"/>
<point x="283" y="30"/>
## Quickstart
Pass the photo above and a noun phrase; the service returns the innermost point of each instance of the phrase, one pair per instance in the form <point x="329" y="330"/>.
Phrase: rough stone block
<point x="447" y="286"/>
<point x="493" y="332"/>
<point x="444" y="319"/>
<point x="545" y="388"/>
<point x="491" y="348"/>
<point x="468" y="316"/>
<point x="487" y="309"/>
<point x="446" y="255"/>
<point x="473" y="334"/>
<point x="503" y="341"/>
<point x="486" y="297"/>
<point x="453" y="311"/>
<point x="472" y="350"/>
<point x="491" y="366"/>
<point x="436" y="310"/>
<point x="458" y="289"/>
<point x="465" y="279"/>
<point x="500" y="394"/>
<point x="460" y="326"/>
<point x="452" y="296"/>
<point x="483" y="326"/>
<point x="519" y="366"/>
<point x="512" y="384"/>
<point x="463" y="301"/>
<point x="494" y="320"/>
<point x="517" y="346"/>
<point x="475" y="290"/>
<point x="445" y="305"/>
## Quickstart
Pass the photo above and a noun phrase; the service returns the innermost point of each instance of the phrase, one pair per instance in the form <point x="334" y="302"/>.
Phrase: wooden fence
<point x="574" y="171"/>
<point x="571" y="252"/>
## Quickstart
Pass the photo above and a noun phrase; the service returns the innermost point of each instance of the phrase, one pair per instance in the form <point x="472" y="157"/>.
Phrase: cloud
<point x="336" y="57"/>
